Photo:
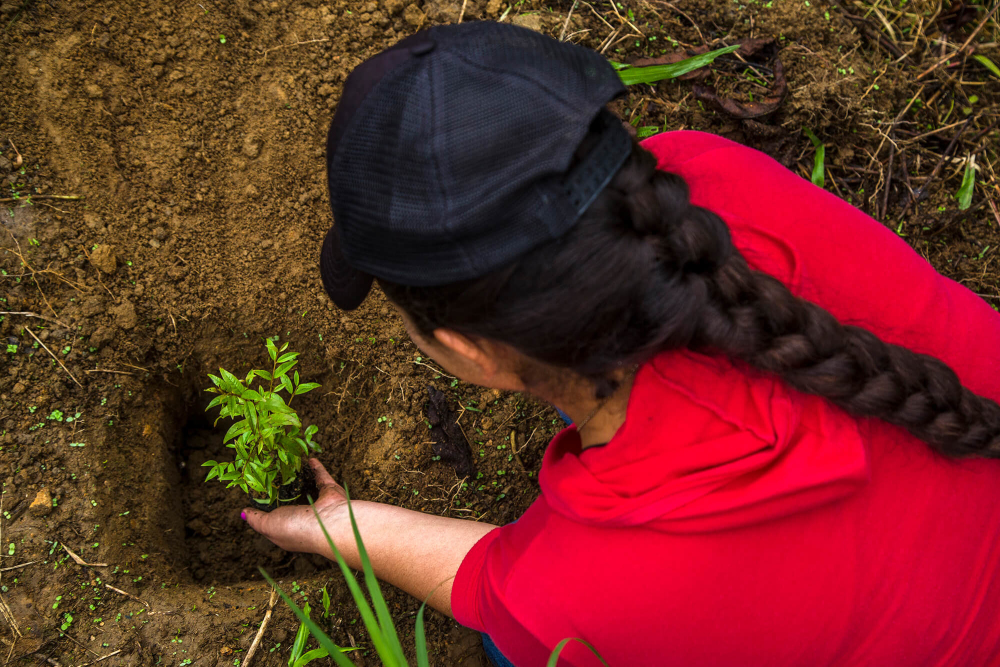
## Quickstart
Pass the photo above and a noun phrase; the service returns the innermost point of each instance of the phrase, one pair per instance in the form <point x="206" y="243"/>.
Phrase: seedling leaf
<point x="653" y="73"/>
<point x="324" y="640"/>
<point x="554" y="658"/>
<point x="306" y="386"/>
<point x="988" y="64"/>
<point x="964" y="194"/>
<point x="819" y="166"/>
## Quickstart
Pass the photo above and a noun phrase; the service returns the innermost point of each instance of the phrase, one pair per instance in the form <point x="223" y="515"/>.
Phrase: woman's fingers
<point x="294" y="527"/>
<point x="291" y="528"/>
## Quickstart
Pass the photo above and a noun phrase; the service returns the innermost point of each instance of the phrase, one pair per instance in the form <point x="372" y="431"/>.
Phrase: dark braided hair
<point x="645" y="271"/>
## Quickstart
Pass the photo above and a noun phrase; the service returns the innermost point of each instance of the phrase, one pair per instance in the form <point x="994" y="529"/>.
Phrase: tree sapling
<point x="265" y="432"/>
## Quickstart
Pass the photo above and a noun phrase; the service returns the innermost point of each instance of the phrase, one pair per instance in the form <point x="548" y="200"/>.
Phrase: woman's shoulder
<point x="675" y="148"/>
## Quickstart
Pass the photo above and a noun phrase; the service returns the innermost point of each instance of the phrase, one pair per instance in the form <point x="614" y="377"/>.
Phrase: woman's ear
<point x="476" y="359"/>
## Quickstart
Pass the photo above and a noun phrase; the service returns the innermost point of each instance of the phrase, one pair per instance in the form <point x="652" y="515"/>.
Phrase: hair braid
<point x="645" y="271"/>
<point x="752" y="316"/>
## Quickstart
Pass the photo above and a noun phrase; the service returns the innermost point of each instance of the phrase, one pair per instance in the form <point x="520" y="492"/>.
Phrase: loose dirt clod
<point x="125" y="315"/>
<point x="42" y="504"/>
<point x="104" y="260"/>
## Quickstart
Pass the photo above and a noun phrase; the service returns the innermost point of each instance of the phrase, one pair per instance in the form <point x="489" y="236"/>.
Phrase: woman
<point x="783" y="413"/>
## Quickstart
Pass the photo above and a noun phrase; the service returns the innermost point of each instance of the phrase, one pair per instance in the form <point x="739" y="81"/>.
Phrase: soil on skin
<point x="195" y="133"/>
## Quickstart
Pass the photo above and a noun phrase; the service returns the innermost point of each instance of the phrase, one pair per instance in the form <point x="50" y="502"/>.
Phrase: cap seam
<point x="436" y="156"/>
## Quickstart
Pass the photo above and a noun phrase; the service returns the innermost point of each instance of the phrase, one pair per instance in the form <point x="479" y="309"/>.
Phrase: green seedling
<point x="964" y="194"/>
<point x="299" y="656"/>
<point x="988" y="64"/>
<point x="653" y="73"/>
<point x="265" y="432"/>
<point x="326" y="603"/>
<point x="819" y="162"/>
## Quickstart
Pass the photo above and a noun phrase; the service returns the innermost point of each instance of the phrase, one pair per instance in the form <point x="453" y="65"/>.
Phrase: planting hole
<point x="218" y="546"/>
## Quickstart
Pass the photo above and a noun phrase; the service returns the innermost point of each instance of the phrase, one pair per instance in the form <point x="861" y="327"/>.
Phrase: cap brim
<point x="346" y="285"/>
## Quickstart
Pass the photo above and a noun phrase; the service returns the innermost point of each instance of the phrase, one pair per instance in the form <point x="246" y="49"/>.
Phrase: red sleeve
<point x="465" y="589"/>
<point x="831" y="253"/>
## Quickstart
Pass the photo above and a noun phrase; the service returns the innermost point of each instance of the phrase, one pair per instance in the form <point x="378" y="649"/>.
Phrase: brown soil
<point x="195" y="134"/>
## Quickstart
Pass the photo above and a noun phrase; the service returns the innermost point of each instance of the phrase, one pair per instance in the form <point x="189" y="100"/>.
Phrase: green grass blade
<point x="420" y="639"/>
<point x="387" y="653"/>
<point x="819" y="162"/>
<point x="964" y="194"/>
<point x="301" y="637"/>
<point x="988" y="64"/>
<point x="653" y="73"/>
<point x="554" y="658"/>
<point x="324" y="640"/>
<point x="309" y="656"/>
<point x="371" y="582"/>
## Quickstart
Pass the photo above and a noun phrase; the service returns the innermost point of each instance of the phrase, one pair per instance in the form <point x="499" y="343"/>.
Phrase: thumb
<point x="323" y="477"/>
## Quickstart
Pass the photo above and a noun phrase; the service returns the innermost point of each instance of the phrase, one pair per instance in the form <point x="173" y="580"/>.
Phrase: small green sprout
<point x="964" y="194"/>
<point x="819" y="167"/>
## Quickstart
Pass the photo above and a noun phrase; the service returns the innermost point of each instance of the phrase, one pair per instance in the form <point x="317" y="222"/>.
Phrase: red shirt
<point x="735" y="521"/>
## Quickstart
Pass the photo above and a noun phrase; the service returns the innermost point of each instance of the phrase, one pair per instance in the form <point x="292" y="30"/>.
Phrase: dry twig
<point x="109" y="655"/>
<point x="41" y="317"/>
<point x="128" y="595"/>
<point x="263" y="626"/>
<point x="922" y="190"/>
<point x="18" y="567"/>
<point x="27" y="197"/>
<point x="562" y="35"/>
<point x="962" y="48"/>
<point x="285" y="46"/>
<point x="4" y="609"/>
<point x="80" y="561"/>
<point x="58" y="360"/>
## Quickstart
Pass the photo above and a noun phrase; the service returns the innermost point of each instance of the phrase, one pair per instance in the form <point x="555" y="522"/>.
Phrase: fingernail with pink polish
<point x="243" y="515"/>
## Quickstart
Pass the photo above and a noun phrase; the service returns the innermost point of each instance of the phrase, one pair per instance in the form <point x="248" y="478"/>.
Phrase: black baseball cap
<point x="450" y="154"/>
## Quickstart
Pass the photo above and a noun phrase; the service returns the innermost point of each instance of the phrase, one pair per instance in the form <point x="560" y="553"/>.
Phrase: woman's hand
<point x="419" y="553"/>
<point x="294" y="527"/>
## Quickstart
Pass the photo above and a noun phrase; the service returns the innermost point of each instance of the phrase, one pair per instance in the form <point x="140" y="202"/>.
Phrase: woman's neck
<point x="598" y="419"/>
